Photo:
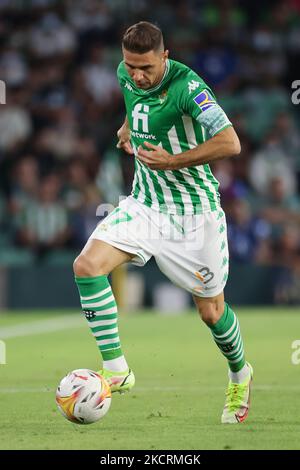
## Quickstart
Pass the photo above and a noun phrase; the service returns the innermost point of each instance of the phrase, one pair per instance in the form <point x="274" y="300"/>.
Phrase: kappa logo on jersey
<point x="204" y="100"/>
<point x="128" y="86"/>
<point x="193" y="85"/>
<point x="138" y="116"/>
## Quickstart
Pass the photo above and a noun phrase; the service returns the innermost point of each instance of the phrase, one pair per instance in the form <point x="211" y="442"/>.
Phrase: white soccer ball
<point x="83" y="396"/>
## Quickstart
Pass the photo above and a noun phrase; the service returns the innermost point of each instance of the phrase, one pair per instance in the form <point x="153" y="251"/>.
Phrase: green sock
<point x="227" y="336"/>
<point x="100" y="308"/>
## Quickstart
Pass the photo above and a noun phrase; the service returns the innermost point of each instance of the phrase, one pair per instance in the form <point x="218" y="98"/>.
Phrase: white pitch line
<point x="160" y="389"/>
<point x="42" y="326"/>
<point x="26" y="390"/>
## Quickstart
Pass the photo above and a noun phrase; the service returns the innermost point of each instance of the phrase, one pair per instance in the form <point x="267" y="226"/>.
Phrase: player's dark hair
<point x="143" y="37"/>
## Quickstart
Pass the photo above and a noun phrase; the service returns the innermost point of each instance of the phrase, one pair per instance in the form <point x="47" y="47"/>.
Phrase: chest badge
<point x="163" y="96"/>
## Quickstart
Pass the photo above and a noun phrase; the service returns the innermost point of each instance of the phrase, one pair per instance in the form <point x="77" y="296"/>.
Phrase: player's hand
<point x="124" y="139"/>
<point x="157" y="158"/>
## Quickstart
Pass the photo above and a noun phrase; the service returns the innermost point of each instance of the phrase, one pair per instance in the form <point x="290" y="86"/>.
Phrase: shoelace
<point x="235" y="394"/>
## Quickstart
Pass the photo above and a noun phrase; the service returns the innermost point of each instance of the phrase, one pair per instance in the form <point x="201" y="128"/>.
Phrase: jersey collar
<point x="151" y="90"/>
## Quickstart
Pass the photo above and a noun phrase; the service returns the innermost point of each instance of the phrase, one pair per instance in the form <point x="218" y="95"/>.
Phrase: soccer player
<point x="173" y="128"/>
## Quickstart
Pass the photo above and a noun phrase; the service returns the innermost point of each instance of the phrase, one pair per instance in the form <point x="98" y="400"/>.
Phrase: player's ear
<point x="165" y="54"/>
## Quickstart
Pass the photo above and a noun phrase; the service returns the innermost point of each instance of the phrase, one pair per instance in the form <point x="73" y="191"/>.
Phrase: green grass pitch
<point x="180" y="382"/>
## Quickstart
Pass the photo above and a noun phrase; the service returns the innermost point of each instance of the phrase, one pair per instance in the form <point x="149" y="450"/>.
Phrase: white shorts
<point x="191" y="250"/>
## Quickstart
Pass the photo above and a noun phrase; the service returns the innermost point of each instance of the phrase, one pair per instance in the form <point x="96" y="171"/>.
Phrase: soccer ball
<point x="83" y="396"/>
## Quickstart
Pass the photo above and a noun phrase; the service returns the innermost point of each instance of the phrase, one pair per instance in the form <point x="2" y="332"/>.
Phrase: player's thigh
<point x="117" y="239"/>
<point x="199" y="262"/>
<point x="98" y="258"/>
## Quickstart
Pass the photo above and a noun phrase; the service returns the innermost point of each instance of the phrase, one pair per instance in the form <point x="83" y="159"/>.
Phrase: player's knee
<point x="210" y="312"/>
<point x="84" y="266"/>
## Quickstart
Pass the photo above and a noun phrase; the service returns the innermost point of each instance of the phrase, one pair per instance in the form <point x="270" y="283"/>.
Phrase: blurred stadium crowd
<point x="58" y="159"/>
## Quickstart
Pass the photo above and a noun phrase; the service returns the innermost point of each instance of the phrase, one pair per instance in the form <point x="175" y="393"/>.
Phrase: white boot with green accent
<point x="237" y="403"/>
<point x="119" y="381"/>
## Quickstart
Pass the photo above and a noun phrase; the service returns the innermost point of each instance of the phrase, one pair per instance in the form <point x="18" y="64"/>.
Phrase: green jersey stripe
<point x="158" y="189"/>
<point x="191" y="136"/>
<point x="190" y="189"/>
<point x="195" y="199"/>
<point x="176" y="194"/>
<point x="211" y="194"/>
<point x="174" y="141"/>
<point x="136" y="184"/>
<point x="153" y="185"/>
<point x="211" y="178"/>
<point x="168" y="196"/>
<point x="154" y="196"/>
<point x="148" y="198"/>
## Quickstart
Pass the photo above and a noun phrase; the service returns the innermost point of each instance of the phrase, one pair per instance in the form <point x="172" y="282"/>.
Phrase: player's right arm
<point x="124" y="137"/>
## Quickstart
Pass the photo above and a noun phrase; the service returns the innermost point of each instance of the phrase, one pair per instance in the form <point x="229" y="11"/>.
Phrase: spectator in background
<point x="270" y="162"/>
<point x="99" y="79"/>
<point x="289" y="140"/>
<point x="43" y="224"/>
<point x="13" y="67"/>
<point x="25" y="184"/>
<point x="279" y="207"/>
<point x="247" y="235"/>
<point x="81" y="197"/>
<point x="51" y="37"/>
<point x="287" y="257"/>
<point x="15" y="122"/>
<point x="218" y="64"/>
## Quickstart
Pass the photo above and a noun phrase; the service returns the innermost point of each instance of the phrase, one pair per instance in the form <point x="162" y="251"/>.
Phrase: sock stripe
<point x="98" y="299"/>
<point x="99" y="294"/>
<point x="236" y="352"/>
<point x="101" y="330"/>
<point x="93" y="323"/>
<point x="109" y="341"/>
<point x="227" y="335"/>
<point x="236" y="339"/>
<point x="99" y="310"/>
<point x="229" y="339"/>
<point x="238" y="359"/>
<point x="101" y="303"/>
<point x="104" y="323"/>
<point x="237" y="343"/>
<point x="108" y="336"/>
<point x="229" y="331"/>
<point x="108" y="311"/>
<point x="108" y="347"/>
<point x="231" y="343"/>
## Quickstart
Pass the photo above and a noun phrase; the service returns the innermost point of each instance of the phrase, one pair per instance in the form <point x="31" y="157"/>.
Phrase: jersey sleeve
<point x="198" y="101"/>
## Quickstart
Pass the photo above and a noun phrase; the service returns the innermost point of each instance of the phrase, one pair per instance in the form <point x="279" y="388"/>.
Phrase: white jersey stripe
<point x="142" y="193"/>
<point x="189" y="131"/>
<point x="203" y="175"/>
<point x="174" y="141"/>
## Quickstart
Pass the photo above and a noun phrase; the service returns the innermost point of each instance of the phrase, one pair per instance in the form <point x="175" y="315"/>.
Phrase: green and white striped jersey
<point x="178" y="114"/>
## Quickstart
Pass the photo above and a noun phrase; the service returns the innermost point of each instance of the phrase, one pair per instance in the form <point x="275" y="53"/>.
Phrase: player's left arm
<point x="222" y="141"/>
<point x="222" y="145"/>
